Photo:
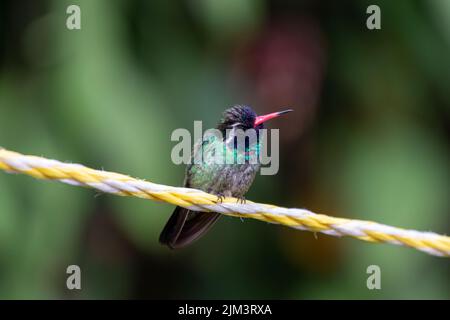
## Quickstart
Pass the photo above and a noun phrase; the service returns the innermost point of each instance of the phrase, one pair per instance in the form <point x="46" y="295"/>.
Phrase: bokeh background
<point x="369" y="139"/>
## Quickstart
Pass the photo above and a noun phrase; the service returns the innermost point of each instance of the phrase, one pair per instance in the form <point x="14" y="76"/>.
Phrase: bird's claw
<point x="220" y="198"/>
<point x="241" y="200"/>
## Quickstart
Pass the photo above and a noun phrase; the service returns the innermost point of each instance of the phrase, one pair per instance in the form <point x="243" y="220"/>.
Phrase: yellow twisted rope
<point x="124" y="185"/>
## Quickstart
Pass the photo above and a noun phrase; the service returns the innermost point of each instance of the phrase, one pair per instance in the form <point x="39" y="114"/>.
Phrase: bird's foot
<point x="241" y="200"/>
<point x="220" y="197"/>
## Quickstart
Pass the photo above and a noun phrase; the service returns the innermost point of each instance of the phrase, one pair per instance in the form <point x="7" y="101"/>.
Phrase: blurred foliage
<point x="369" y="139"/>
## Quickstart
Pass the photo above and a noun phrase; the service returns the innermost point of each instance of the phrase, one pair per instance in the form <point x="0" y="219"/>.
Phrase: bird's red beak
<point x="264" y="118"/>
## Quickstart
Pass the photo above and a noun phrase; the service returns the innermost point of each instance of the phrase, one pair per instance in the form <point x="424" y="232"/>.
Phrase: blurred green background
<point x="369" y="139"/>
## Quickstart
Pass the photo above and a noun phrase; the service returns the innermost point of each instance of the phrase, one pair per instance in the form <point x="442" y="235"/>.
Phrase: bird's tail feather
<point x="186" y="226"/>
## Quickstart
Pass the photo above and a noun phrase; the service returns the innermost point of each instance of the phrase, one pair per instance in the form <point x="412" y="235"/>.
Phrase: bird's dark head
<point x="243" y="117"/>
<point x="237" y="117"/>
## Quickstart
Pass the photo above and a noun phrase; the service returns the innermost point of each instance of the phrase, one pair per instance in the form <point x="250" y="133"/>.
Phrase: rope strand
<point x="123" y="185"/>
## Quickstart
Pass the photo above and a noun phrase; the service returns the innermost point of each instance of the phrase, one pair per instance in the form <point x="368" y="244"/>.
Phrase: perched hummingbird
<point x="223" y="180"/>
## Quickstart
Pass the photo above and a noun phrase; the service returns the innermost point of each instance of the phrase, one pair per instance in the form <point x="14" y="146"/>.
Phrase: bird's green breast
<point x="223" y="168"/>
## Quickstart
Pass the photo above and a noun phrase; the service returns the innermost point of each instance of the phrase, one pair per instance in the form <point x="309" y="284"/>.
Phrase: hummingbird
<point x="223" y="179"/>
